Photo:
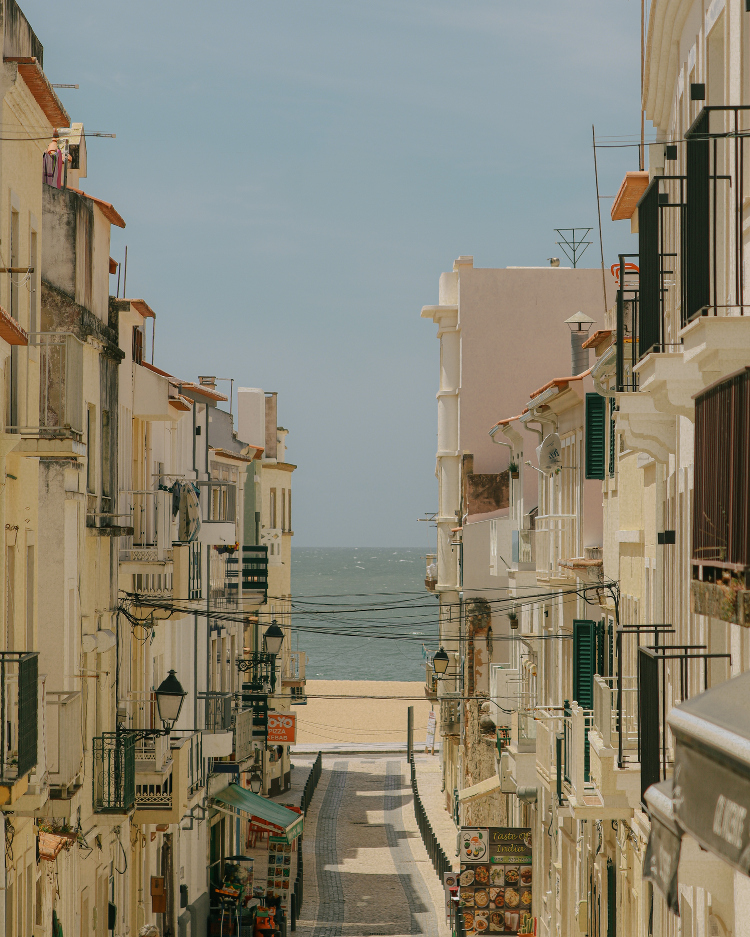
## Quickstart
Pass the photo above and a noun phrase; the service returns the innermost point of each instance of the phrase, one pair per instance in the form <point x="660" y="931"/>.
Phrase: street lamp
<point x="273" y="638"/>
<point x="579" y="325"/>
<point x="169" y="699"/>
<point x="440" y="662"/>
<point x="256" y="781"/>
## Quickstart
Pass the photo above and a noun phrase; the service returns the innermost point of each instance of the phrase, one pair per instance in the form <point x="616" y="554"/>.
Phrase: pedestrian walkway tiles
<point x="366" y="870"/>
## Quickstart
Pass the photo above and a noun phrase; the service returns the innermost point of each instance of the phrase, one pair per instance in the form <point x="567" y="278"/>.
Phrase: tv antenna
<point x="573" y="242"/>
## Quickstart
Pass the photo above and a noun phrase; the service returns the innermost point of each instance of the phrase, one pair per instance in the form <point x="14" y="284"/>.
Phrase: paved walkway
<point x="366" y="870"/>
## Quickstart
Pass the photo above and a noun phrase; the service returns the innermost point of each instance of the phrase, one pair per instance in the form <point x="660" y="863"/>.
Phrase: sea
<point x="362" y="614"/>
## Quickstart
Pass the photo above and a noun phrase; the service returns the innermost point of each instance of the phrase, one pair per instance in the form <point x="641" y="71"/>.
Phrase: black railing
<point x="435" y="851"/>
<point x="255" y="568"/>
<point x="627" y="328"/>
<point x="261" y="669"/>
<point x="114" y="772"/>
<point x="713" y="246"/>
<point x="299" y="881"/>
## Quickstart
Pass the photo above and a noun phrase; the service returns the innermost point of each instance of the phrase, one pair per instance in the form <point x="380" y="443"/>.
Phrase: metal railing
<point x="572" y="742"/>
<point x="114" y="773"/>
<point x="431" y="572"/>
<point x="297" y="895"/>
<point x="435" y="851"/>
<point x="19" y="703"/>
<point x="556" y="539"/>
<point x="149" y="513"/>
<point x="53" y="407"/>
<point x="224" y="584"/>
<point x="606" y="720"/>
<point x="297" y="660"/>
<point x="450" y="714"/>
<point x="218" y="501"/>
<point x="219" y="712"/>
<point x="255" y="568"/>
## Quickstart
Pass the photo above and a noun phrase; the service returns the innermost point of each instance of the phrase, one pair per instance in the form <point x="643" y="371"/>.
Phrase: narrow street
<point x="366" y="869"/>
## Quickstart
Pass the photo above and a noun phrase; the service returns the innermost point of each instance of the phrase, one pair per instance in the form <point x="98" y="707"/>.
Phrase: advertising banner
<point x="495" y="880"/>
<point x="282" y="727"/>
<point x="279" y="876"/>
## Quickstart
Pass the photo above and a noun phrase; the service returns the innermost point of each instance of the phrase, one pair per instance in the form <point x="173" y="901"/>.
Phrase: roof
<point x="254" y="806"/>
<point x="152" y="367"/>
<point x="107" y="209"/>
<point x="511" y="419"/>
<point x="181" y="403"/>
<point x="43" y="92"/>
<point x="601" y="335"/>
<point x="227" y="454"/>
<point x="626" y="201"/>
<point x="11" y="331"/>
<point x="143" y="308"/>
<point x="202" y="391"/>
<point x="112" y="265"/>
<point x="560" y="382"/>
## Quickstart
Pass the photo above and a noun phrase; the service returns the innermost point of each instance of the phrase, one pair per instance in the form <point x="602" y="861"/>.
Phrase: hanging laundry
<point x="189" y="523"/>
<point x="51" y="165"/>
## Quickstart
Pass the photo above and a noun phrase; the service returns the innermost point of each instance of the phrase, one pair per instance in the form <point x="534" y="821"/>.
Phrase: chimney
<point x="207" y="380"/>
<point x="579" y="325"/>
<point x="271" y="421"/>
<point x="251" y="416"/>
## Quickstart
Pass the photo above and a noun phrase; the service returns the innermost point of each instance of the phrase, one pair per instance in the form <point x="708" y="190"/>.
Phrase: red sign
<point x="282" y="727"/>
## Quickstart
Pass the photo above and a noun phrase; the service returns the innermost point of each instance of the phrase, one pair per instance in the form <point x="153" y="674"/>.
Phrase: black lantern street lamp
<point x="440" y="662"/>
<point x="169" y="699"/>
<point x="273" y="638"/>
<point x="256" y="781"/>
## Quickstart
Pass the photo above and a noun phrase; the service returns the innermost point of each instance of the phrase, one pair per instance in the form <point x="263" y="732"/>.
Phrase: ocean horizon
<point x="362" y="613"/>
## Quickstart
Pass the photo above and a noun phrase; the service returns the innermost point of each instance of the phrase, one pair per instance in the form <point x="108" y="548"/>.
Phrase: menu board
<point x="450" y="880"/>
<point x="278" y="881"/>
<point x="495" y="880"/>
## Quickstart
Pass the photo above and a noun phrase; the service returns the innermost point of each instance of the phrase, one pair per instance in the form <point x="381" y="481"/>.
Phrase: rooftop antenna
<point x="573" y="242"/>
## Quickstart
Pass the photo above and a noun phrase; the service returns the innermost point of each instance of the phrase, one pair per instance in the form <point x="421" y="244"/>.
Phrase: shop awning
<point x="284" y="822"/>
<point x="711" y="792"/>
<point x="482" y="789"/>
<point x="662" y="857"/>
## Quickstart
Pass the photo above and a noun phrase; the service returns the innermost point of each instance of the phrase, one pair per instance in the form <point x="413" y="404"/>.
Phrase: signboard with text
<point x="282" y="727"/>
<point x="495" y="880"/>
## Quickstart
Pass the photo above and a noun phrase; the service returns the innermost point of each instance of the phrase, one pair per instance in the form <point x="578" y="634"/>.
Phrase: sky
<point x="296" y="175"/>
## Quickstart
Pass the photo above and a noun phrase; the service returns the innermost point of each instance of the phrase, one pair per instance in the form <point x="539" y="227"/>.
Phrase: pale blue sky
<point x="296" y="175"/>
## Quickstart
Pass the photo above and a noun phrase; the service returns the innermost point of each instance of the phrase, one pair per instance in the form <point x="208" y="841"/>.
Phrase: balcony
<point x="523" y="552"/>
<point x="19" y="713"/>
<point x="556" y="539"/>
<point x="517" y="758"/>
<point x="218" y="508"/>
<point x="114" y="773"/>
<point x="430" y="682"/>
<point x="255" y="571"/>
<point x="64" y="743"/>
<point x="450" y="714"/>
<point x="431" y="573"/>
<point x="224" y="580"/>
<point x="721" y="536"/>
<point x="260" y="670"/>
<point x="295" y="672"/>
<point x="48" y="411"/>
<point x="169" y="777"/>
<point x="149" y="513"/>
<point x="219" y="709"/>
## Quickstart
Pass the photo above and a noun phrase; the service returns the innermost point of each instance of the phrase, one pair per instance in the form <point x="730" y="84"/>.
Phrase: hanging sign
<point x="282" y="727"/>
<point x="430" y="740"/>
<point x="495" y="880"/>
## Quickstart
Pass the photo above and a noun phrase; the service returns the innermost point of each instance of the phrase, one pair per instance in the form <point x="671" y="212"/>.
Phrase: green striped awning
<point x="259" y="809"/>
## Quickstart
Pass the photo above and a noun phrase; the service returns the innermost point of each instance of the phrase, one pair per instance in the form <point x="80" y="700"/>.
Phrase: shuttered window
<point x="611" y="899"/>
<point x="596" y="414"/>
<point x="648" y="719"/>
<point x="612" y="437"/>
<point x="584" y="659"/>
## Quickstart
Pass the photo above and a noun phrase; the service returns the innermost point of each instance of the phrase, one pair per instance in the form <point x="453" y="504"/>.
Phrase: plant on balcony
<point x="513" y="469"/>
<point x="513" y="619"/>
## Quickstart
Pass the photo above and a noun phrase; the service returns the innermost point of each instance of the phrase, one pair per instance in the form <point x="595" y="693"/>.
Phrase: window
<point x="595" y="435"/>
<point x="29" y="598"/>
<point x="14" y="261"/>
<point x="34" y="284"/>
<point x="272" y="513"/>
<point x="289" y="509"/>
<point x="90" y="451"/>
<point x="137" y="344"/>
<point x="106" y="452"/>
<point x="283" y="508"/>
<point x="10" y="592"/>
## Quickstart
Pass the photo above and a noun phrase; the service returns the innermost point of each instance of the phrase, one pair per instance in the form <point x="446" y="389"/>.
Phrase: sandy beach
<point x="338" y="711"/>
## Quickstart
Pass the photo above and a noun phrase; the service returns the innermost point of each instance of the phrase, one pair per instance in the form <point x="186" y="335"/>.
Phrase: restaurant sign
<point x="711" y="799"/>
<point x="495" y="880"/>
<point x="282" y="727"/>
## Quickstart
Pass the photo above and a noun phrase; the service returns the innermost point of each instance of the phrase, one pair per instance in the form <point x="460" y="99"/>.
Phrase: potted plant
<point x="513" y="619"/>
<point x="513" y="469"/>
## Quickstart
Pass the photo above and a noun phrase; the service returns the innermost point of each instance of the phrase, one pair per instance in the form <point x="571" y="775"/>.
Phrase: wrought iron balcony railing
<point x="255" y="568"/>
<point x="114" y="773"/>
<point x="260" y="667"/>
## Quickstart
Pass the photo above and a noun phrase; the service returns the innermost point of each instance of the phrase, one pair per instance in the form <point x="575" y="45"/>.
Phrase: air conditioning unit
<point x="507" y="780"/>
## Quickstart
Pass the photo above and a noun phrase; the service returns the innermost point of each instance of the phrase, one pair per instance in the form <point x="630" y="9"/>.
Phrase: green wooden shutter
<point x="595" y="435"/>
<point x="611" y="900"/>
<point x="612" y="437"/>
<point x="584" y="658"/>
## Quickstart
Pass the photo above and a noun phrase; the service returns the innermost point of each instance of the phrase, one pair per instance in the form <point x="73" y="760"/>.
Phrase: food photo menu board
<point x="495" y="880"/>
<point x="279" y="878"/>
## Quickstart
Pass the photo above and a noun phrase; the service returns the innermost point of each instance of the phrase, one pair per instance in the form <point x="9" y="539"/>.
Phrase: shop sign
<point x="282" y="727"/>
<point x="662" y="860"/>
<point x="495" y="880"/>
<point x="711" y="801"/>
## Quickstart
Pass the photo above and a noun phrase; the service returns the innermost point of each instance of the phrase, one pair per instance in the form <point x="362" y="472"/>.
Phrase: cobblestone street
<point x="366" y="869"/>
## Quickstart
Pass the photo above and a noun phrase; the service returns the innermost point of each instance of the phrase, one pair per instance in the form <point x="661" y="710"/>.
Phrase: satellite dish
<point x="549" y="454"/>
